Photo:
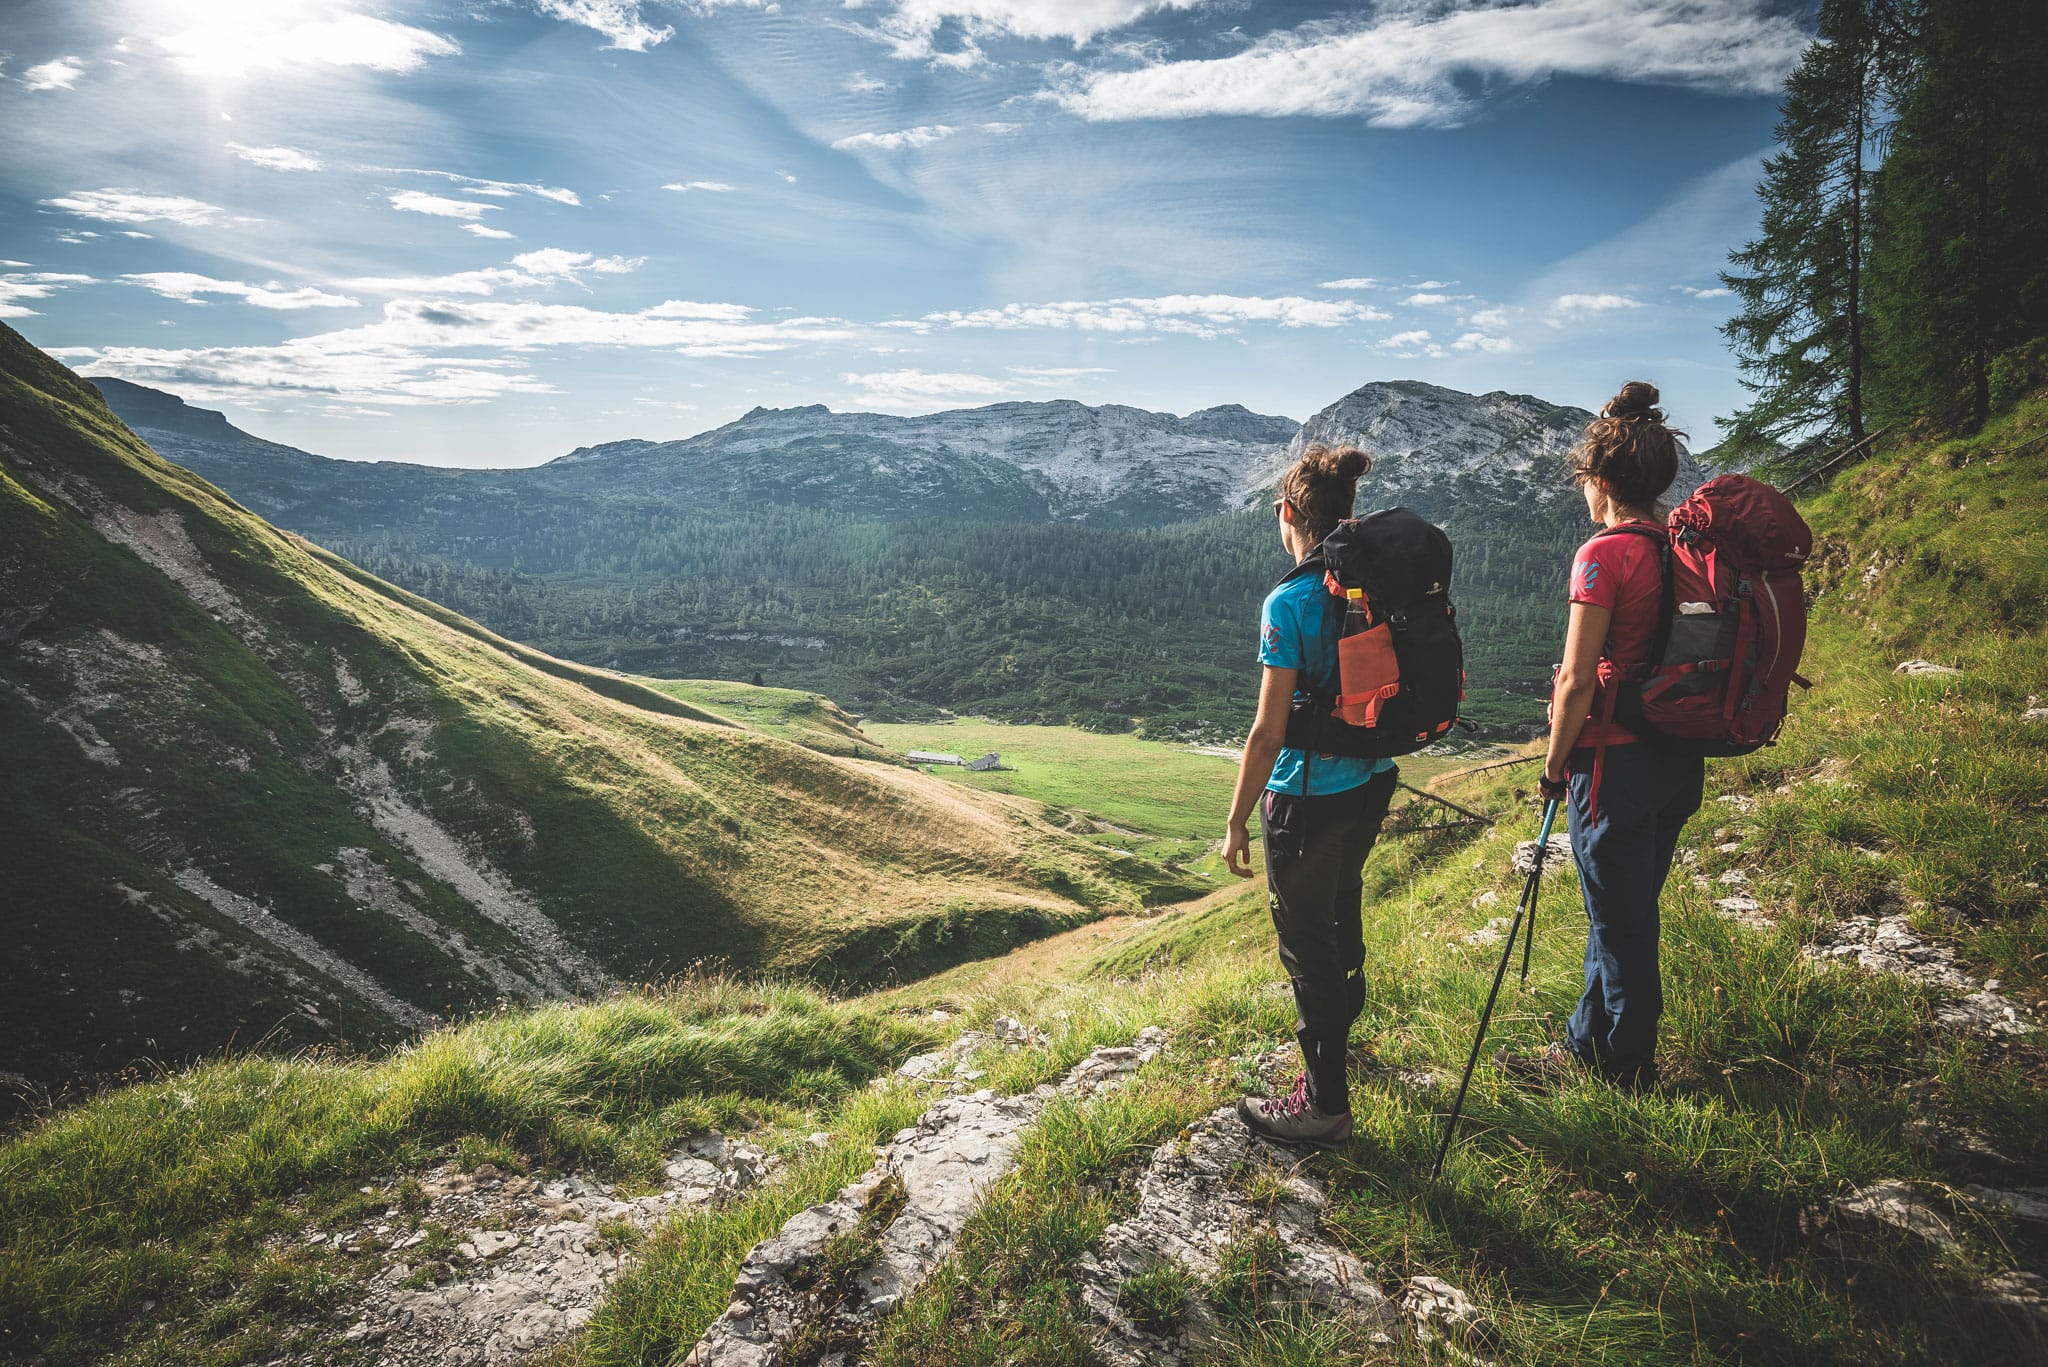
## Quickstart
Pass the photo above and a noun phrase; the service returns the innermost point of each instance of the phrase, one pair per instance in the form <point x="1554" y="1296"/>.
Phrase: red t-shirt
<point x="1622" y="573"/>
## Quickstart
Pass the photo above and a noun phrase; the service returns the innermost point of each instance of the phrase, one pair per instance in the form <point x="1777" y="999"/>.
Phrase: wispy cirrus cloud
<point x="1403" y="66"/>
<point x="922" y="136"/>
<point x="1717" y="292"/>
<point x="528" y="270"/>
<point x="276" y="158"/>
<point x="15" y="286"/>
<point x="496" y="189"/>
<point x="1198" y="315"/>
<point x="684" y="187"/>
<point x="483" y="230"/>
<point x="59" y="74"/>
<point x="439" y="206"/>
<point x="1355" y="282"/>
<point x="239" y="40"/>
<point x="427" y="351"/>
<point x="187" y="288"/>
<point x="136" y="206"/>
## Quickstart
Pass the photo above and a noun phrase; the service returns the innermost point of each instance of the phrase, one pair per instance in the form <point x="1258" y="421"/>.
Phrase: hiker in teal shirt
<point x="1319" y="815"/>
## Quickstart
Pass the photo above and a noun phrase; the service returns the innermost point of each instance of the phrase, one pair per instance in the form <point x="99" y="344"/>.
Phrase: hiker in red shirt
<point x="1626" y="800"/>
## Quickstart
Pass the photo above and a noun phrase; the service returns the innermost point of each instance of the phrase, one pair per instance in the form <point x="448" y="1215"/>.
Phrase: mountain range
<point x="1032" y="561"/>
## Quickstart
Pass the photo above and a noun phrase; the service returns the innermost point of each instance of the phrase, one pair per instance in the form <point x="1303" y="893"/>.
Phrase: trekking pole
<point x="1527" y="906"/>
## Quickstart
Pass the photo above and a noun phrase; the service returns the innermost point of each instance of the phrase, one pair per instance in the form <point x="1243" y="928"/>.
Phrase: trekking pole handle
<point x="1543" y="836"/>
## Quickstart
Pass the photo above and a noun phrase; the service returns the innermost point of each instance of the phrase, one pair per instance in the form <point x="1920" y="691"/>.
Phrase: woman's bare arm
<point x="1261" y="748"/>
<point x="1573" y="696"/>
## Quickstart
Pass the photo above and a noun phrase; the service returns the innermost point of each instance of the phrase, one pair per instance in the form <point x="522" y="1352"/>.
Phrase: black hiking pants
<point x="1315" y="855"/>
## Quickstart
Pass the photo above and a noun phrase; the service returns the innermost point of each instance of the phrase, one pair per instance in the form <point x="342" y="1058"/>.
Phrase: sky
<point x="486" y="232"/>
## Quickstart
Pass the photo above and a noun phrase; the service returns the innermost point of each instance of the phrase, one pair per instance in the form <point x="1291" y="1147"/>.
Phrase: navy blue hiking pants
<point x="1315" y="861"/>
<point x="1624" y="854"/>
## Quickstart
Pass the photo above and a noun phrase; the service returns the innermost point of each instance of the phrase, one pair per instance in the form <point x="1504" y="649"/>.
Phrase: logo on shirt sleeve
<point x="1271" y="636"/>
<point x="1589" y="570"/>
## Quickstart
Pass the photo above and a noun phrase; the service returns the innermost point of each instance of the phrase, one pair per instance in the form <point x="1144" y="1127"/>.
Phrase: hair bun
<point x="1341" y="462"/>
<point x="1637" y="399"/>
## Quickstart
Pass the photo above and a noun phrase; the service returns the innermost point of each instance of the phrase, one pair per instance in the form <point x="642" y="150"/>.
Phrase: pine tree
<point x="1960" y="210"/>
<point x="1801" y="336"/>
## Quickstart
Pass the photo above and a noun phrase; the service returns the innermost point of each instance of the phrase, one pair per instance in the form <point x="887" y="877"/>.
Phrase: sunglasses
<point x="1278" y="504"/>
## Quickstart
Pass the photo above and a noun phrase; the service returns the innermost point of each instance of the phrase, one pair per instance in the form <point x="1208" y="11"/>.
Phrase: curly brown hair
<point x="1628" y="448"/>
<point x="1322" y="486"/>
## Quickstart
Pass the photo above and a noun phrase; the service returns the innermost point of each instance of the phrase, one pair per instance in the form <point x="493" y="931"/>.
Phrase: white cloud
<point x="1579" y="305"/>
<point x="925" y="389"/>
<point x="235" y="40"/>
<point x="787" y="178"/>
<point x="1494" y="319"/>
<point x="186" y="287"/>
<point x="481" y="231"/>
<point x="276" y="158"/>
<point x="1480" y="341"/>
<point x="32" y="285"/>
<point x="409" y="357"/>
<point x="1716" y="293"/>
<point x="1402" y="68"/>
<point x="1433" y="284"/>
<point x="1426" y="300"/>
<point x="922" y="136"/>
<point x="912" y="27"/>
<point x="528" y="270"/>
<point x="683" y="187"/>
<point x="1407" y="339"/>
<point x="61" y="74"/>
<point x="1356" y="282"/>
<point x="497" y="189"/>
<point x="1199" y="315"/>
<point x="418" y="202"/>
<point x="133" y="206"/>
<point x="618" y="20"/>
<point x="860" y="83"/>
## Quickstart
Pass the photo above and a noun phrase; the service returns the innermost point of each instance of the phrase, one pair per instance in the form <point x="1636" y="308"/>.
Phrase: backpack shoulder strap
<point x="1667" y="600"/>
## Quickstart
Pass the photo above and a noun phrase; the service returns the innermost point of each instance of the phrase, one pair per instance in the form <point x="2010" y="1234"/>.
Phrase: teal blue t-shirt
<point x="1298" y="630"/>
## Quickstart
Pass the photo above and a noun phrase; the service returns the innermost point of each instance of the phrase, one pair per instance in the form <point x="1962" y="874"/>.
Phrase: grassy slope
<point x="1597" y="1227"/>
<point x="241" y="739"/>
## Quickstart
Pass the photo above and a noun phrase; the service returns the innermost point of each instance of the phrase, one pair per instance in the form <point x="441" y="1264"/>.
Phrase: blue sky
<point x="484" y="233"/>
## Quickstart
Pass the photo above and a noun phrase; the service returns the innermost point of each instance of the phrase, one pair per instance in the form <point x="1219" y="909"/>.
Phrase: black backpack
<point x="1400" y="664"/>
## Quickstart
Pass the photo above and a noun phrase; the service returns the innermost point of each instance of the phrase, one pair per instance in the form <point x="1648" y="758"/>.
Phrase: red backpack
<point x="1730" y="626"/>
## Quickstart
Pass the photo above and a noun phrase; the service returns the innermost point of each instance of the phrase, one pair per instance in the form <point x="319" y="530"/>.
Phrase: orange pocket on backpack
<point x="1368" y="674"/>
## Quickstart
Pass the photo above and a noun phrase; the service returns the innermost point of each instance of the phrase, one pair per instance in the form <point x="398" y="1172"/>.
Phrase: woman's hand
<point x="1237" y="849"/>
<point x="1261" y="748"/>
<point x="1555" y="788"/>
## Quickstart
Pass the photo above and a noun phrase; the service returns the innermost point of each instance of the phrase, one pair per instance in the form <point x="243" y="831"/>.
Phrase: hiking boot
<point x="1551" y="1066"/>
<point x="1293" y="1119"/>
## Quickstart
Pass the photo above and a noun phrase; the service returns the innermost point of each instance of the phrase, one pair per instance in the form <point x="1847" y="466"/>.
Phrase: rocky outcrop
<point x="495" y="1267"/>
<point x="1224" y="1218"/>
<point x="1889" y="944"/>
<point x="821" y="1285"/>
